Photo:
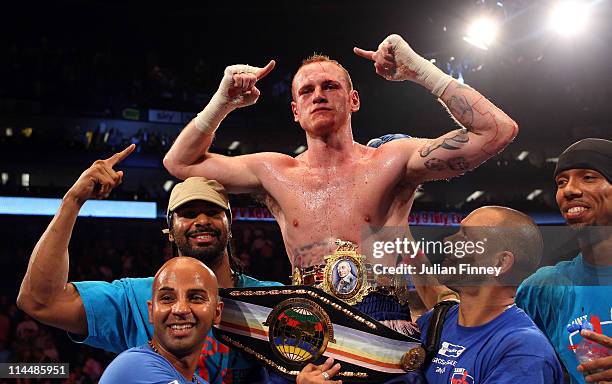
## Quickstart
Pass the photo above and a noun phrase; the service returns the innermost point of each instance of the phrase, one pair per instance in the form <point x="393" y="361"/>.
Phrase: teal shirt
<point x="570" y="292"/>
<point x="117" y="320"/>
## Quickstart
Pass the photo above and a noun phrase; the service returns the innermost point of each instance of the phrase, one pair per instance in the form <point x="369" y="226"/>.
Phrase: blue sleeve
<point x="539" y="296"/>
<point x="527" y="299"/>
<point x="117" y="316"/>
<point x="138" y="368"/>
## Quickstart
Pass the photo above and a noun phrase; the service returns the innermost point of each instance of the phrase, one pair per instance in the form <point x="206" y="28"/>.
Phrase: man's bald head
<point x="190" y="264"/>
<point x="503" y="216"/>
<point x="513" y="231"/>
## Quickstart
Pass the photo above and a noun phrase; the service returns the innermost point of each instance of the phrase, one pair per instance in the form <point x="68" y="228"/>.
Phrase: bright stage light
<point x="569" y="17"/>
<point x="481" y="33"/>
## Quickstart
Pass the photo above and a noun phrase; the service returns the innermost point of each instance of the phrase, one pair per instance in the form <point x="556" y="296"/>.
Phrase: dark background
<point x="69" y="70"/>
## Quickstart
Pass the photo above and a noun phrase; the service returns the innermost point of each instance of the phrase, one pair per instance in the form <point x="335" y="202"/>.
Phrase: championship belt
<point x="286" y="328"/>
<point x="347" y="276"/>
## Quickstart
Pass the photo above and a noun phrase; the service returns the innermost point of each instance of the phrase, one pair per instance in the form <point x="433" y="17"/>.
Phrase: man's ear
<point x="294" y="111"/>
<point x="355" y="101"/>
<point x="170" y="224"/>
<point x="505" y="260"/>
<point x="150" y="310"/>
<point x="171" y="236"/>
<point x="218" y="311"/>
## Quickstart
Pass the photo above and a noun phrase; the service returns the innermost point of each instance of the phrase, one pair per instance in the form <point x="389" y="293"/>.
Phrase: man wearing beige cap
<point x="114" y="316"/>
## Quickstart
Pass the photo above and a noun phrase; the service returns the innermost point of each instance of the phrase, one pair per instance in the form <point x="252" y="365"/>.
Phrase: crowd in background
<point x="84" y="144"/>
<point x="44" y="74"/>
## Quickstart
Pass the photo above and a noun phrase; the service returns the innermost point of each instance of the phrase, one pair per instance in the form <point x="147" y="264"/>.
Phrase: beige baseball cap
<point x="198" y="188"/>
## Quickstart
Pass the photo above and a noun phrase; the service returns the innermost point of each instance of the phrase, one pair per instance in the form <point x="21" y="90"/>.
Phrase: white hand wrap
<point x="209" y="119"/>
<point x="221" y="104"/>
<point x="427" y="74"/>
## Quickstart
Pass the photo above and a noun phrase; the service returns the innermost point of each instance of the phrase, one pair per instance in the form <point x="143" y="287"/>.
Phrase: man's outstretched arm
<point x="45" y="293"/>
<point x="189" y="154"/>
<point x="486" y="130"/>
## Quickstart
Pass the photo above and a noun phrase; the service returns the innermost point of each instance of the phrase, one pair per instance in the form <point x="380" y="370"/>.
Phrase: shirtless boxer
<point x="337" y="186"/>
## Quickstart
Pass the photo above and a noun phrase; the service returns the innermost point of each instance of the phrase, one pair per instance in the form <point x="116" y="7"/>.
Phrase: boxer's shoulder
<point x="271" y="160"/>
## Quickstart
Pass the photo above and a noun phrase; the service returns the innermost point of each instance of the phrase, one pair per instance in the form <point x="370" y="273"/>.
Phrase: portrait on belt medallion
<point x="344" y="278"/>
<point x="345" y="274"/>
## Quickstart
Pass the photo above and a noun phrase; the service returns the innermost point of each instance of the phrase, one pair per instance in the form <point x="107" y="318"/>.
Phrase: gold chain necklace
<point x="154" y="348"/>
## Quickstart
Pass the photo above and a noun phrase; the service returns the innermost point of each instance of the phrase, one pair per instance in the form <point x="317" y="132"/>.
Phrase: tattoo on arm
<point x="454" y="164"/>
<point x="435" y="164"/>
<point x="458" y="164"/>
<point x="451" y="143"/>
<point x="462" y="110"/>
<point x="477" y="116"/>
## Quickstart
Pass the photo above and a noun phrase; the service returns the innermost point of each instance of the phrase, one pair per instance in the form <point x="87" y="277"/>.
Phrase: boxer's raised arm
<point x="45" y="293"/>
<point x="486" y="130"/>
<point x="189" y="154"/>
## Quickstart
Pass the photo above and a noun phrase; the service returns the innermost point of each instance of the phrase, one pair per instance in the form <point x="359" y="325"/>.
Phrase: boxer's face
<point x="584" y="197"/>
<point x="323" y="101"/>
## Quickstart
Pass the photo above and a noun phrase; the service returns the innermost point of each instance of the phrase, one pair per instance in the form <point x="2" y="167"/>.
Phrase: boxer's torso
<point x="314" y="206"/>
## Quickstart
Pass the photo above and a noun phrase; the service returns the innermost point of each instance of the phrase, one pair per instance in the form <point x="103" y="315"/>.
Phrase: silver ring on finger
<point x="325" y="375"/>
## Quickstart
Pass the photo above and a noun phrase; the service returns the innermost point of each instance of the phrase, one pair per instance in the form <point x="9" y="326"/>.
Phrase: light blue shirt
<point x="570" y="292"/>
<point x="141" y="365"/>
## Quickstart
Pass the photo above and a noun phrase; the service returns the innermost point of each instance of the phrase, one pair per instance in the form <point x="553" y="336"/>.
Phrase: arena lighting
<point x="233" y="145"/>
<point x="481" y="33"/>
<point x="25" y="179"/>
<point x="5" y="178"/>
<point x="569" y="17"/>
<point x="8" y="132"/>
<point x="534" y="194"/>
<point x="299" y="150"/>
<point x="474" y="196"/>
<point x="167" y="185"/>
<point x="522" y="156"/>
<point x="38" y="206"/>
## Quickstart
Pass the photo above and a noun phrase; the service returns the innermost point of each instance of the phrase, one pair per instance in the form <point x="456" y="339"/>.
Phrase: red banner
<point x="415" y="218"/>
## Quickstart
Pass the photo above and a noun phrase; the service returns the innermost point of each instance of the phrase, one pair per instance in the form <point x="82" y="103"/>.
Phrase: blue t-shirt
<point x="570" y="292"/>
<point x="117" y="319"/>
<point x="141" y="365"/>
<point x="508" y="349"/>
